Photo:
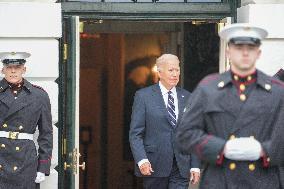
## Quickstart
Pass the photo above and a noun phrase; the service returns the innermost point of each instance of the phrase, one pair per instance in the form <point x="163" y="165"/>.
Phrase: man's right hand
<point x="146" y="168"/>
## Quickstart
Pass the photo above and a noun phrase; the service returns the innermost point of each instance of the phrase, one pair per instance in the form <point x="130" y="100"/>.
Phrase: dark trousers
<point x="174" y="181"/>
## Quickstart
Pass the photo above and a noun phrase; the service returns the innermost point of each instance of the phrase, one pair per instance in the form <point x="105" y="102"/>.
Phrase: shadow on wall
<point x="139" y="73"/>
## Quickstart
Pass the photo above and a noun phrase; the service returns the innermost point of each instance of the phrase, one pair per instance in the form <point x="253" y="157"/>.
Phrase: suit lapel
<point x="181" y="103"/>
<point x="158" y="99"/>
<point x="228" y="103"/>
<point x="7" y="98"/>
<point x="18" y="103"/>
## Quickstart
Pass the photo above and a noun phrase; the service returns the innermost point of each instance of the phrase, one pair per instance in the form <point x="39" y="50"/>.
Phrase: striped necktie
<point x="171" y="109"/>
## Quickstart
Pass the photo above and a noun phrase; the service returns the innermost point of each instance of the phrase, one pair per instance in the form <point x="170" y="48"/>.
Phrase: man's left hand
<point x="243" y="149"/>
<point x="39" y="177"/>
<point x="194" y="177"/>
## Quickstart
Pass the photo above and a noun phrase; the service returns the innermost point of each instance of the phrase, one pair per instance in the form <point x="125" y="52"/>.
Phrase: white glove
<point x="39" y="177"/>
<point x="243" y="149"/>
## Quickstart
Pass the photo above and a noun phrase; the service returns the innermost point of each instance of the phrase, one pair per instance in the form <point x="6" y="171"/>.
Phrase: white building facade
<point x="35" y="26"/>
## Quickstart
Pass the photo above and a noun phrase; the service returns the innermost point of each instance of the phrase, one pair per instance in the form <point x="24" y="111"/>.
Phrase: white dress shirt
<point x="165" y="95"/>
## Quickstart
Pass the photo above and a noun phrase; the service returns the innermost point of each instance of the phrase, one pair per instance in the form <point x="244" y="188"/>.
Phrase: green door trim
<point x="68" y="77"/>
<point x="150" y="11"/>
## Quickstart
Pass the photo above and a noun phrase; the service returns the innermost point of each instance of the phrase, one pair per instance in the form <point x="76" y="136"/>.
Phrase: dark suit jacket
<point x="151" y="135"/>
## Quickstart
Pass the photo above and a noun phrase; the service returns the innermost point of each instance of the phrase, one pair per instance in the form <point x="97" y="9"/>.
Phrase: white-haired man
<point x="155" y="114"/>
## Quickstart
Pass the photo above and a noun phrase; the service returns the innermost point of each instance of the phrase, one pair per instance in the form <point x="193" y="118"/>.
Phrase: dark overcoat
<point x="19" y="158"/>
<point x="215" y="114"/>
<point x="153" y="137"/>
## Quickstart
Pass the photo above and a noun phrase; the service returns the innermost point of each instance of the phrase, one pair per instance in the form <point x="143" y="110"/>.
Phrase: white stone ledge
<point x="269" y="16"/>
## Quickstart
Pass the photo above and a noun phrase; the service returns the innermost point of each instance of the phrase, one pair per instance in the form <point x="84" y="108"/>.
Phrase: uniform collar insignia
<point x="263" y="81"/>
<point x="27" y="85"/>
<point x="224" y="79"/>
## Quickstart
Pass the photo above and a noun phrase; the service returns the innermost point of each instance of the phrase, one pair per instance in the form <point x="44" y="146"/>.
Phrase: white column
<point x="269" y="16"/>
<point x="35" y="27"/>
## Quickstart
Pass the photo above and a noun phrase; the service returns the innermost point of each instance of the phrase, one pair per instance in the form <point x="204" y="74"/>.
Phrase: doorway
<point x="116" y="59"/>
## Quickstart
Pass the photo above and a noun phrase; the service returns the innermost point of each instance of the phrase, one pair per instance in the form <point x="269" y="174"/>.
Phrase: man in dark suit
<point x="156" y="111"/>
<point x="231" y="117"/>
<point x="23" y="108"/>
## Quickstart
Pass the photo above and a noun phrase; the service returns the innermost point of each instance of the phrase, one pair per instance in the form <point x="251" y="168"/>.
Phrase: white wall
<point x="30" y="19"/>
<point x="270" y="17"/>
<point x="35" y="27"/>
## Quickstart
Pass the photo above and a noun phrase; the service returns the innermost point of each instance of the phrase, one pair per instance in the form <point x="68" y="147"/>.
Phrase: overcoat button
<point x="251" y="167"/>
<point x="242" y="87"/>
<point x="232" y="166"/>
<point x="267" y="87"/>
<point x="243" y="97"/>
<point x="249" y="78"/>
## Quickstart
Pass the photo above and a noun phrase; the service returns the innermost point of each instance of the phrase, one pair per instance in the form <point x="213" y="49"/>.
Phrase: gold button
<point x="15" y="168"/>
<point x="21" y="127"/>
<point x="0" y="166"/>
<point x="236" y="77"/>
<point x="242" y="87"/>
<point x="249" y="78"/>
<point x="232" y="166"/>
<point x="3" y="145"/>
<point x="243" y="97"/>
<point x="5" y="125"/>
<point x="251" y="167"/>
<point x="268" y="159"/>
<point x="17" y="148"/>
<point x="232" y="137"/>
<point x="221" y="84"/>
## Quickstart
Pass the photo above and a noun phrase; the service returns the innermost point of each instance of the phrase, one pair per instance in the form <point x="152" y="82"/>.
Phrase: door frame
<point x="151" y="11"/>
<point x="69" y="67"/>
<point x="131" y="12"/>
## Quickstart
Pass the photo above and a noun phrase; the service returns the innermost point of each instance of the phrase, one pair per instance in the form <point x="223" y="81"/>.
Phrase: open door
<point x="70" y="140"/>
<point x="223" y="61"/>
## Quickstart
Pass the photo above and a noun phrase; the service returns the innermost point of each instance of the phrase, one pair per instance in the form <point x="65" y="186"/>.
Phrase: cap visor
<point x="245" y="41"/>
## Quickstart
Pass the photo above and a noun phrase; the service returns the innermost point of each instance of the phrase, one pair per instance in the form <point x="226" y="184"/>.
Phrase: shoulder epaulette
<point x="209" y="78"/>
<point x="36" y="86"/>
<point x="277" y="82"/>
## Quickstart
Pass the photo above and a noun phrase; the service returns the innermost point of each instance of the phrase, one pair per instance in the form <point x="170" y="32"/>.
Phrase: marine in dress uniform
<point x="230" y="119"/>
<point x="23" y="108"/>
